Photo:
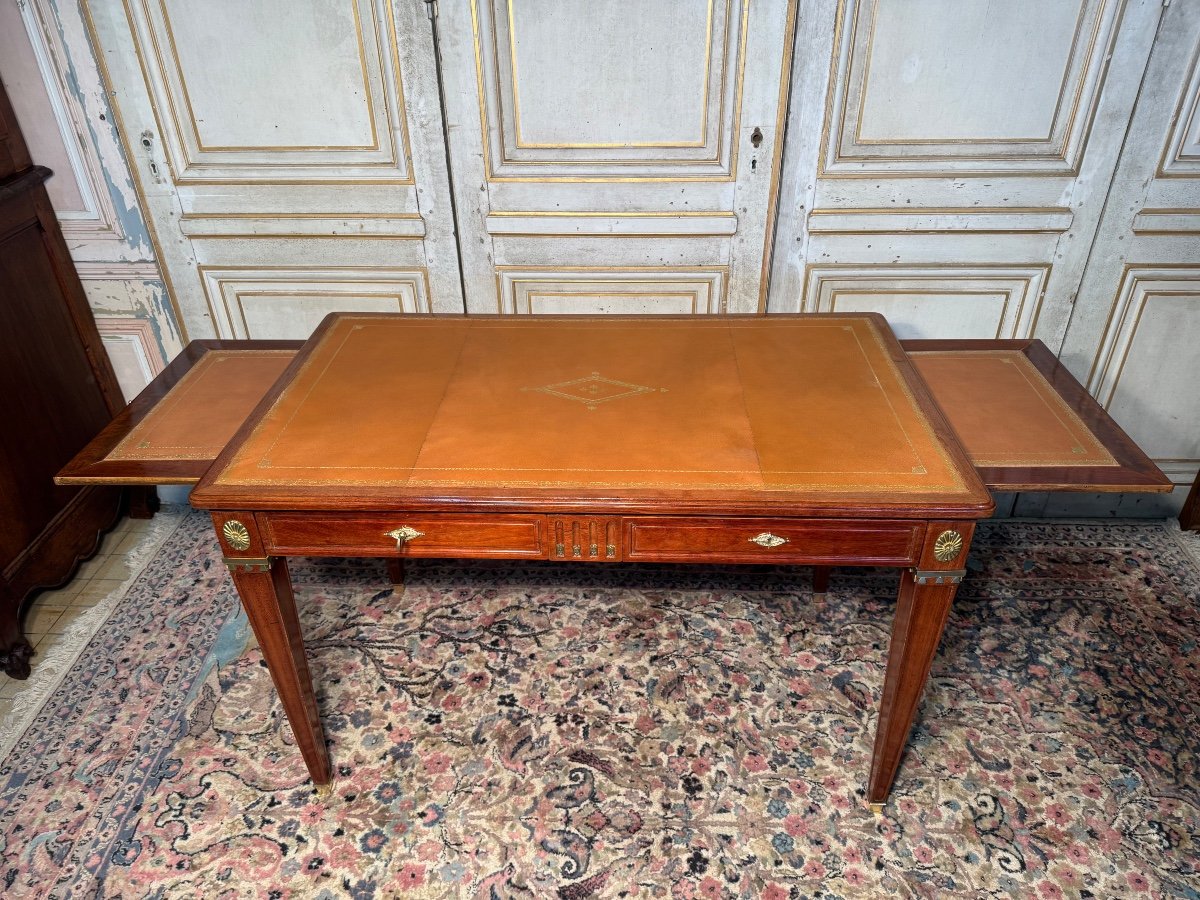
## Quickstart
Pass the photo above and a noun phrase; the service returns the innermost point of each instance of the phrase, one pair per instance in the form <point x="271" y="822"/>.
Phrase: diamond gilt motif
<point x="595" y="389"/>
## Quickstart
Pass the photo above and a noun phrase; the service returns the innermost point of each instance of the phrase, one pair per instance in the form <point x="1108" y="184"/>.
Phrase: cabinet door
<point x="615" y="156"/>
<point x="51" y="403"/>
<point x="290" y="156"/>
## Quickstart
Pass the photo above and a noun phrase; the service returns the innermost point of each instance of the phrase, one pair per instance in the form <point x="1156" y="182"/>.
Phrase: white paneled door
<point x="948" y="160"/>
<point x="290" y="155"/>
<point x="616" y="156"/>
<point x="1137" y="340"/>
<point x="968" y="168"/>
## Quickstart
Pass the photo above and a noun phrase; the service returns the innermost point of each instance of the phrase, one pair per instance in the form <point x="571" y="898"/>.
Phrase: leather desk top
<point x="196" y="419"/>
<point x="1027" y="423"/>
<point x="1050" y="432"/>
<point x="816" y="409"/>
<point x="176" y="427"/>
<point x="1024" y="421"/>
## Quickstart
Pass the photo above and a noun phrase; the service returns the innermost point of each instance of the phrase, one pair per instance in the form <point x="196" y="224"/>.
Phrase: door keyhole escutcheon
<point x="756" y="138"/>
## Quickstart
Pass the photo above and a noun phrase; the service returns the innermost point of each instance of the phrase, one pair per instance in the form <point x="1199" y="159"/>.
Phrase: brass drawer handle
<point x="404" y="534"/>
<point x="766" y="539"/>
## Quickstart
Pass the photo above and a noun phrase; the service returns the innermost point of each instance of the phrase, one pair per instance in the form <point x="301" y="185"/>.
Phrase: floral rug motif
<point x="504" y="731"/>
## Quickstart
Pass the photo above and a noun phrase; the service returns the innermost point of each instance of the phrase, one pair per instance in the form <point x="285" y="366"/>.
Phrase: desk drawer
<point x="451" y="535"/>
<point x="812" y="541"/>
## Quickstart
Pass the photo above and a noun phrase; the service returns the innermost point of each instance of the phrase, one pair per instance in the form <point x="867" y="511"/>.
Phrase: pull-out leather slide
<point x="1026" y="422"/>
<point x="176" y="427"/>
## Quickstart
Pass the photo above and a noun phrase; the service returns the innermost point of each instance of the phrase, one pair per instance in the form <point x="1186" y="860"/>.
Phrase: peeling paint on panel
<point x="117" y="262"/>
<point x="163" y="313"/>
<point x="143" y="299"/>
<point x="119" y="182"/>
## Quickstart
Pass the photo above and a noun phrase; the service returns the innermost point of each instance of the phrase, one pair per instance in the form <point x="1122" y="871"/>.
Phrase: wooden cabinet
<point x="57" y="390"/>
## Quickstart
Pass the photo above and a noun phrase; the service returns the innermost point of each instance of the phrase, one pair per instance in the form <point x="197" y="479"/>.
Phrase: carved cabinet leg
<point x="15" y="651"/>
<point x="921" y="611"/>
<point x="265" y="588"/>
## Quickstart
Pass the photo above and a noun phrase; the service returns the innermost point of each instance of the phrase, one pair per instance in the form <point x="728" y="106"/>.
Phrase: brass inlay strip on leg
<point x="933" y="576"/>
<point x="248" y="563"/>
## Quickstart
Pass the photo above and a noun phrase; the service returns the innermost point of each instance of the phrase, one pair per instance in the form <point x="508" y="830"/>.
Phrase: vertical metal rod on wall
<point x="431" y="9"/>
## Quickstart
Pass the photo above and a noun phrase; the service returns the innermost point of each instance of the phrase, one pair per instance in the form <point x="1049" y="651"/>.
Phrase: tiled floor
<point x="52" y="612"/>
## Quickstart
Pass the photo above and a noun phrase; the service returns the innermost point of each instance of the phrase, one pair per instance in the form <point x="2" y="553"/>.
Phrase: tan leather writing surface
<point x="828" y="410"/>
<point x="362" y="405"/>
<point x="1005" y="411"/>
<point x="812" y="404"/>
<point x="198" y="416"/>
<point x="593" y="405"/>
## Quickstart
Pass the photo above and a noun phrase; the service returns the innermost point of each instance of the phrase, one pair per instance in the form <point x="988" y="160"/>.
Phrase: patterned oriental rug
<point x="619" y="731"/>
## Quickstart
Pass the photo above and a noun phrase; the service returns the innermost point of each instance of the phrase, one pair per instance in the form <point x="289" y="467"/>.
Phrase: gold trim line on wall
<point x="941" y="220"/>
<point x="565" y="223"/>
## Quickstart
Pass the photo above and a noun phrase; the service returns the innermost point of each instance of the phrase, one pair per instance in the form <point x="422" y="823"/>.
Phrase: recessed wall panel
<point x="596" y="95"/>
<point x="1146" y="369"/>
<point x="587" y="113"/>
<point x="302" y="66"/>
<point x="619" y="290"/>
<point x="946" y="301"/>
<point x="274" y="92"/>
<point x="965" y="86"/>
<point x="288" y="302"/>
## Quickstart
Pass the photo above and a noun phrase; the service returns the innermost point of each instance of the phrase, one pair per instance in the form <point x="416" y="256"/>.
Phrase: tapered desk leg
<point x="266" y="592"/>
<point x="395" y="567"/>
<point x="1189" y="516"/>
<point x="820" y="582"/>
<point x="921" y="611"/>
<point x="920" y="617"/>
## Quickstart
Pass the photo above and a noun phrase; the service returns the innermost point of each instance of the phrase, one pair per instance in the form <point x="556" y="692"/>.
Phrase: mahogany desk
<point x="798" y="439"/>
<point x="610" y="439"/>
